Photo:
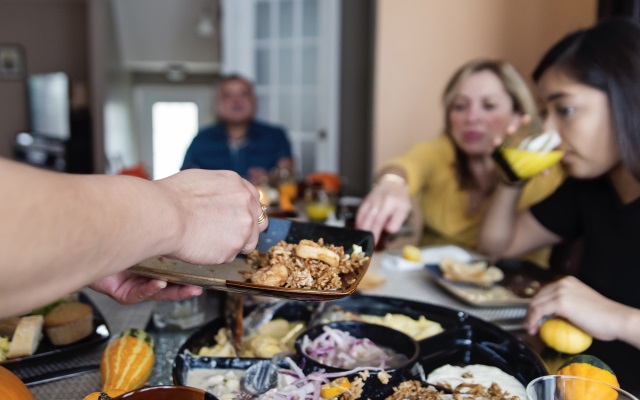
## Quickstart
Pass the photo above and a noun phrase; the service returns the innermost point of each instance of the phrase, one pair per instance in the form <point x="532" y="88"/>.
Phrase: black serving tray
<point x="47" y="351"/>
<point x="465" y="340"/>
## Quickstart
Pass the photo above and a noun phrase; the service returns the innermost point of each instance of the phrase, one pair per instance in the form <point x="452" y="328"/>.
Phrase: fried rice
<point x="413" y="390"/>
<point x="282" y="266"/>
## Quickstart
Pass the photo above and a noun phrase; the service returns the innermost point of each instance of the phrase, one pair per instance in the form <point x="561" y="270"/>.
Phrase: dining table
<point x="417" y="285"/>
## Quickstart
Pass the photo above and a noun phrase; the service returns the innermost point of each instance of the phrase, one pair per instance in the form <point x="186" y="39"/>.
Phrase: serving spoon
<point x="259" y="378"/>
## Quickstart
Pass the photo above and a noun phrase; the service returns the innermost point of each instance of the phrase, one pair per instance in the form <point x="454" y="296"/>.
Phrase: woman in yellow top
<point x="454" y="174"/>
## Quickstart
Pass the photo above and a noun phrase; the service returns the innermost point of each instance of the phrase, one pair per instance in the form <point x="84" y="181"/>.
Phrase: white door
<point x="169" y="116"/>
<point x="290" y="49"/>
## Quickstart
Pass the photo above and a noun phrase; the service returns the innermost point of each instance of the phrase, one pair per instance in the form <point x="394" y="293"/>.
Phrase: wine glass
<point x="528" y="151"/>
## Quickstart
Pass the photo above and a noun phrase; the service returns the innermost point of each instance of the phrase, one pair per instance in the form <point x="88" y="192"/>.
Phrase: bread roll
<point x="69" y="323"/>
<point x="26" y="337"/>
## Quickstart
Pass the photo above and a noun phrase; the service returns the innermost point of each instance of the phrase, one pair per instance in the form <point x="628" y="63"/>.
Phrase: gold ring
<point x="263" y="215"/>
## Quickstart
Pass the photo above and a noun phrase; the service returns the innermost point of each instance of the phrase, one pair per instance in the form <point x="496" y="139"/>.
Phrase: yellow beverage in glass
<point x="528" y="151"/>
<point x="319" y="212"/>
<point x="525" y="164"/>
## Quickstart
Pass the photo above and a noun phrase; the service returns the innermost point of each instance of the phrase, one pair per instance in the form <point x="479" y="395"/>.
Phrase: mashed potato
<point x="419" y="329"/>
<point x="477" y="374"/>
<point x="4" y="347"/>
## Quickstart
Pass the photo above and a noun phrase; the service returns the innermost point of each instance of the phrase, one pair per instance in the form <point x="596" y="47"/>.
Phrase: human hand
<point x="258" y="176"/>
<point x="219" y="214"/>
<point x="597" y="315"/>
<point x="128" y="288"/>
<point x="385" y="207"/>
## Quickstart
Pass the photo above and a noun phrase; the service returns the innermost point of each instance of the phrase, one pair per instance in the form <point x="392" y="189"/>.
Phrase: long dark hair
<point x="606" y="57"/>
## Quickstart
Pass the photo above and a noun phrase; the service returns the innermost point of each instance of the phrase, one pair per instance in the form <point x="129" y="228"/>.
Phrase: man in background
<point x="238" y="142"/>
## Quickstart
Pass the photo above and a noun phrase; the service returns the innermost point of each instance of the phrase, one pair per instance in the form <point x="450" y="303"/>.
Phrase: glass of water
<point x="564" y="387"/>
<point x="180" y="314"/>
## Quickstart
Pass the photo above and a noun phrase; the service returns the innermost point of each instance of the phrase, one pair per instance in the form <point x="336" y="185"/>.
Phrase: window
<point x="174" y="126"/>
<point x="291" y="48"/>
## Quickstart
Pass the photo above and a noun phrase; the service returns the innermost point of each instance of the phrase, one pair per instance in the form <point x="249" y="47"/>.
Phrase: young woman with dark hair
<point x="589" y="85"/>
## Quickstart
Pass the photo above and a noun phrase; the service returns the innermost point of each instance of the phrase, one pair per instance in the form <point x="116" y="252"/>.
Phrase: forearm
<point x="630" y="326"/>
<point x="497" y="229"/>
<point x="60" y="232"/>
<point x="392" y="170"/>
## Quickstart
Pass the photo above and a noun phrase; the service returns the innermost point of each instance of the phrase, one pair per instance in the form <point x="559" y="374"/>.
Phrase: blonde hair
<point x="514" y="85"/>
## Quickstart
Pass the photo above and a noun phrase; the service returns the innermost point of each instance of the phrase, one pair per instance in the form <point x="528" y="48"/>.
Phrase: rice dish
<point x="306" y="265"/>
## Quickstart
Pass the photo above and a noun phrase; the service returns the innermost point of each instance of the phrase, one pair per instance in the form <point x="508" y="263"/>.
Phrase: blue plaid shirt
<point x="264" y="146"/>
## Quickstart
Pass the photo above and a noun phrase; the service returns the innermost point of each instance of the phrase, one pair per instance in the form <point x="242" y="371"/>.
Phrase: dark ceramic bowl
<point x="167" y="393"/>
<point x="382" y="336"/>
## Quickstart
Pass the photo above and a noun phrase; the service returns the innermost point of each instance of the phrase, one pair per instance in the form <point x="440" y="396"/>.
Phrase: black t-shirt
<point x="610" y="262"/>
<point x="591" y="209"/>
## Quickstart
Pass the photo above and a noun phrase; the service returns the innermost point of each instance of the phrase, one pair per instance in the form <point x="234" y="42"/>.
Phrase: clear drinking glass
<point x="320" y="204"/>
<point x="528" y="151"/>
<point x="563" y="387"/>
<point x="180" y="314"/>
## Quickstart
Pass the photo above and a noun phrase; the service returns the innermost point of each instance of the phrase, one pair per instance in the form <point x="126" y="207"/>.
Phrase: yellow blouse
<point x="431" y="173"/>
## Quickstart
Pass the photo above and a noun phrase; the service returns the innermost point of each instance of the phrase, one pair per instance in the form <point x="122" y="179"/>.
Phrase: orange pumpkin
<point x="11" y="387"/>
<point x="593" y="368"/>
<point x="104" y="396"/>
<point x="590" y="367"/>
<point x="98" y="396"/>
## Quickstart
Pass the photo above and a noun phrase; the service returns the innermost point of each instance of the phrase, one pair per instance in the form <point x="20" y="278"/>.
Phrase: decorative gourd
<point x="126" y="364"/>
<point x="11" y="387"/>
<point x="590" y="367"/>
<point x="593" y="368"/>
<point x="563" y="336"/>
<point x="98" y="396"/>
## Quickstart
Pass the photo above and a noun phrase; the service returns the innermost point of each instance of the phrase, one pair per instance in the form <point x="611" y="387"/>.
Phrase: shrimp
<point x="273" y="275"/>
<point x="311" y="249"/>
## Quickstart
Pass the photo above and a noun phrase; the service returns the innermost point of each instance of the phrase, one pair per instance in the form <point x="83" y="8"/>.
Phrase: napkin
<point x="430" y="255"/>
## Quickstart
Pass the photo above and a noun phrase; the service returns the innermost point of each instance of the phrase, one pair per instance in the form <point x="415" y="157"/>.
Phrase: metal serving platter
<point x="465" y="340"/>
<point x="522" y="280"/>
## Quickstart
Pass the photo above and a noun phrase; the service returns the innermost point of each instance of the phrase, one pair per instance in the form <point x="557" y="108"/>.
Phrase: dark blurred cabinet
<point x="79" y="147"/>
<point x="74" y="155"/>
<point x="40" y="151"/>
<point x="60" y="136"/>
<point x="618" y="8"/>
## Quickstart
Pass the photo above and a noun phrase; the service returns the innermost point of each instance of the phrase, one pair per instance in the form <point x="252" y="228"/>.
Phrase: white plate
<point x="431" y="255"/>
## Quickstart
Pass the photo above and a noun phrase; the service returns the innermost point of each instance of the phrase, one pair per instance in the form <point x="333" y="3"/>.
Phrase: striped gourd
<point x="126" y="364"/>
